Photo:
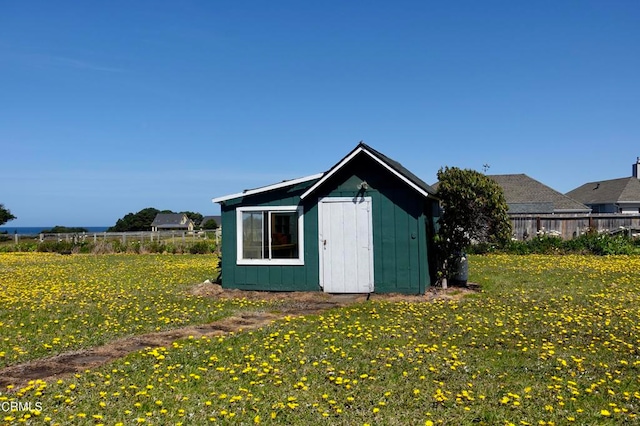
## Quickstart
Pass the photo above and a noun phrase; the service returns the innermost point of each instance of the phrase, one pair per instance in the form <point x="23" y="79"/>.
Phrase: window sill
<point x="271" y="262"/>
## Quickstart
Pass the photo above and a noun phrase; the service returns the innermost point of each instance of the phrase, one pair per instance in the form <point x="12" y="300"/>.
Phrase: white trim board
<point x="350" y="157"/>
<point x="278" y="185"/>
<point x="300" y="224"/>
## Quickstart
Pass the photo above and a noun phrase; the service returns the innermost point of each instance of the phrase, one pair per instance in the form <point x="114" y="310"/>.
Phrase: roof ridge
<point x="607" y="180"/>
<point x="392" y="165"/>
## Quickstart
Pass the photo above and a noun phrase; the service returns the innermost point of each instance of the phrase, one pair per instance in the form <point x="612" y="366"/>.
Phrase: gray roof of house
<point x="608" y="191"/>
<point x="169" y="220"/>
<point x="526" y="195"/>
<point x="531" y="208"/>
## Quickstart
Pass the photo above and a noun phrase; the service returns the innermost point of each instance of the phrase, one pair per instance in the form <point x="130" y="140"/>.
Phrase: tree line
<point x="141" y="221"/>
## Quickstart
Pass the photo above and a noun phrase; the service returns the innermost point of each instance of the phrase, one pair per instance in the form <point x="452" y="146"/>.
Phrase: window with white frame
<point x="270" y="235"/>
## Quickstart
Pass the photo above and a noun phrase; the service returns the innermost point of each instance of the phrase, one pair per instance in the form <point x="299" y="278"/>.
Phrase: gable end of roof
<point x="393" y="166"/>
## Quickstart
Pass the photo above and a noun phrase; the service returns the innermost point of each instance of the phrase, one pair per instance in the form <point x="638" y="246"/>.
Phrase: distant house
<point x="172" y="222"/>
<point x="363" y="226"/>
<point x="525" y="195"/>
<point x="611" y="196"/>
<point x="206" y="219"/>
<point x="535" y="208"/>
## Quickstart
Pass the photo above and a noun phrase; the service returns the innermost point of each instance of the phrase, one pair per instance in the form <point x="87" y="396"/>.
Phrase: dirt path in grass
<point x="291" y="304"/>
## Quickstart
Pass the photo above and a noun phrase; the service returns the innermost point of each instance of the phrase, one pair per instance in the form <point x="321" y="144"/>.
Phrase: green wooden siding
<point x="401" y="220"/>
<point x="270" y="277"/>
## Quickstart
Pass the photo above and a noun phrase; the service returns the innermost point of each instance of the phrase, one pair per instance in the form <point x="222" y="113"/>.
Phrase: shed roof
<point x="608" y="191"/>
<point x="393" y="166"/>
<point x="271" y="187"/>
<point x="524" y="194"/>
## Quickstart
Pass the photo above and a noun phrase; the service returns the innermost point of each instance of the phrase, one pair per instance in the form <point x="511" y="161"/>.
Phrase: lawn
<point x="548" y="340"/>
<point x="51" y="303"/>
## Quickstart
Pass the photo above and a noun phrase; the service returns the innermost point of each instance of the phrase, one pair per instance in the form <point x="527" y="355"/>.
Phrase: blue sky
<point x="111" y="107"/>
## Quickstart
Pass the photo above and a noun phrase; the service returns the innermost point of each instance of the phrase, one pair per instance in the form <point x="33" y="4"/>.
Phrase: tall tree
<point x="210" y="224"/>
<point x="474" y="210"/>
<point x="5" y="215"/>
<point x="140" y="221"/>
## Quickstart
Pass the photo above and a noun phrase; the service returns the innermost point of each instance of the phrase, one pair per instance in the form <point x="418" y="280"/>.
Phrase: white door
<point x="346" y="244"/>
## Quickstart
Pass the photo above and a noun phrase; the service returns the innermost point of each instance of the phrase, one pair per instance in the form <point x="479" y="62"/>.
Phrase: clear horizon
<point x="109" y="108"/>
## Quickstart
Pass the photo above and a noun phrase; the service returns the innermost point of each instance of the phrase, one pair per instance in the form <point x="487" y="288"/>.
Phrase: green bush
<point x="118" y="247"/>
<point x="64" y="247"/>
<point x="202" y="247"/>
<point x="29" y="246"/>
<point x="592" y="243"/>
<point x="111" y="246"/>
<point x="135" y="247"/>
<point x="482" y="248"/>
<point x="546" y="244"/>
<point x="602" y="244"/>
<point x="517" y="247"/>
<point x="156" y="247"/>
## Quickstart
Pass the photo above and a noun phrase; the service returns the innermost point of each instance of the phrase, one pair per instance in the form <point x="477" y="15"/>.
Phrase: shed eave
<point x="278" y="185"/>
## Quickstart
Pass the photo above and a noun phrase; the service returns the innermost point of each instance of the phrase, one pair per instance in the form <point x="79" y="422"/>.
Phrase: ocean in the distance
<point x="33" y="230"/>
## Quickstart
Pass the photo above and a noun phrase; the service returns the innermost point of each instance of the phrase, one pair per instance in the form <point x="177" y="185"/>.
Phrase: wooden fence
<point x="569" y="226"/>
<point x="525" y="226"/>
<point x="124" y="237"/>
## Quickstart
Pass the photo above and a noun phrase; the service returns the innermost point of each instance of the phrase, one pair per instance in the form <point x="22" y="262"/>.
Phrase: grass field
<point x="51" y="303"/>
<point x="550" y="340"/>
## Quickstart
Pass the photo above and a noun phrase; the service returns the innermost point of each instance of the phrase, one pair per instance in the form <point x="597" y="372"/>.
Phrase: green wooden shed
<point x="365" y="225"/>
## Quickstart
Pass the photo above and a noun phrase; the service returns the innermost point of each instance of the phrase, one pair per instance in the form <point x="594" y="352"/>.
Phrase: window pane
<point x="252" y="235"/>
<point x="284" y="235"/>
